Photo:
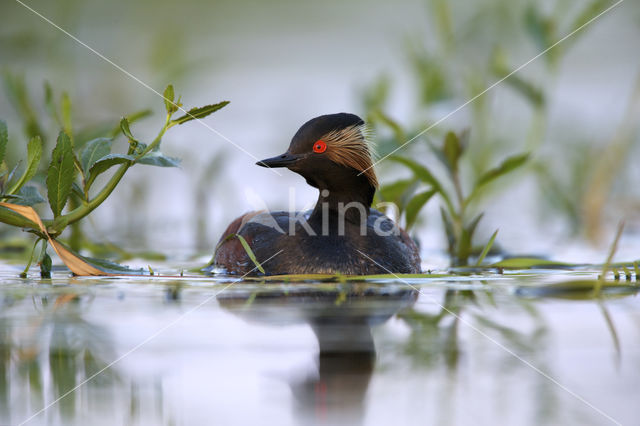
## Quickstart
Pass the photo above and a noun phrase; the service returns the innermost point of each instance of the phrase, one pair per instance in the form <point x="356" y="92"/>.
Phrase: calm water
<point x="496" y="349"/>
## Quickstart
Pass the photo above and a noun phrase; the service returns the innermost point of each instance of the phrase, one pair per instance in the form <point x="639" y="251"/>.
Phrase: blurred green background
<point x="401" y="65"/>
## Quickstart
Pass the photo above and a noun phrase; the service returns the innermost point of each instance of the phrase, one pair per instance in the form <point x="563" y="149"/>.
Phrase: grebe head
<point x="331" y="152"/>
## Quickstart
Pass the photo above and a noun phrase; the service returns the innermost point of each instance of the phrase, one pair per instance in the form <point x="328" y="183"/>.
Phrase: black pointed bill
<point x="284" y="160"/>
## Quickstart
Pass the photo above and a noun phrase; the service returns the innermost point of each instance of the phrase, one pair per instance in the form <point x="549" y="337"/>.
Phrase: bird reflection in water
<point x="341" y="318"/>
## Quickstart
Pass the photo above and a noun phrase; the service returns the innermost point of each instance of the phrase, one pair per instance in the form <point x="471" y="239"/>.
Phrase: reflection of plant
<point x="75" y="165"/>
<point x="459" y="226"/>
<point x="58" y="350"/>
<point x="434" y="337"/>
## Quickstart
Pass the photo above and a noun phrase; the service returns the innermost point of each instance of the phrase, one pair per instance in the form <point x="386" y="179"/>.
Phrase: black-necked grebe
<point x="342" y="234"/>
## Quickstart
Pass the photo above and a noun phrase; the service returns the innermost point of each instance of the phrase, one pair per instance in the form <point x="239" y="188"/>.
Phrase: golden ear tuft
<point x="350" y="147"/>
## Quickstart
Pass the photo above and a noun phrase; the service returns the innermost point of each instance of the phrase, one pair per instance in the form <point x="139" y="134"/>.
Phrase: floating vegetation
<point x="579" y="290"/>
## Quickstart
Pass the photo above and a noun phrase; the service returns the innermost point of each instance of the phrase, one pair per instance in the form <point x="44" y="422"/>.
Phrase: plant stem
<point x="33" y="251"/>
<point x="459" y="218"/>
<point x="57" y="226"/>
<point x="158" y="138"/>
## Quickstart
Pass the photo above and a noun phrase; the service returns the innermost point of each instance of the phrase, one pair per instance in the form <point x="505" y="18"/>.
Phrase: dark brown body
<point x="284" y="252"/>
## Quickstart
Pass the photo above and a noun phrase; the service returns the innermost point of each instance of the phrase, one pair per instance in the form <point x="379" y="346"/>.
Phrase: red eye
<point x="320" y="147"/>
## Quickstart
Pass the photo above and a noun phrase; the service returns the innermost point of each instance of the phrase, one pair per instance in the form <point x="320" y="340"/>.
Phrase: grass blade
<point x="250" y="253"/>
<point x="487" y="248"/>
<point x="246" y="247"/>
<point x="509" y="164"/>
<point x="605" y="268"/>
<point x="415" y="205"/>
<point x="34" y="154"/>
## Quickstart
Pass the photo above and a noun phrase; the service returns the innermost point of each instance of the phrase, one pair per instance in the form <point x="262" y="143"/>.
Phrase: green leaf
<point x="65" y="108"/>
<point x="101" y="264"/>
<point x="452" y="151"/>
<point x="396" y="128"/>
<point x="49" y="103"/>
<point x="77" y="191"/>
<point x="10" y="173"/>
<point x="376" y="95"/>
<point x="532" y="93"/>
<point x="29" y="196"/>
<point x="169" y="96"/>
<point x="124" y="126"/>
<point x="433" y="81"/>
<point x="198" y="113"/>
<point x="4" y="139"/>
<point x="419" y="171"/>
<point x="250" y="253"/>
<point x="60" y="174"/>
<point x="415" y="205"/>
<point x="398" y="192"/>
<point x="466" y="239"/>
<point x="588" y="13"/>
<point x="109" y="266"/>
<point x="17" y="93"/>
<point x="527" y="263"/>
<point x="527" y="89"/>
<point x="539" y="27"/>
<point x="104" y="164"/>
<point x="156" y="158"/>
<point x="508" y="165"/>
<point x="486" y="249"/>
<point x="34" y="154"/>
<point x="93" y="151"/>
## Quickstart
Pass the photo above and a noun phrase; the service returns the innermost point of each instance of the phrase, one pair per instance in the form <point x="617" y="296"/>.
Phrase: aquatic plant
<point x="456" y="62"/>
<point x="459" y="224"/>
<point x="71" y="172"/>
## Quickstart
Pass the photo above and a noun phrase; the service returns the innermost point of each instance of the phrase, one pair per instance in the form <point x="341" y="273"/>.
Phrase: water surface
<point x="520" y="348"/>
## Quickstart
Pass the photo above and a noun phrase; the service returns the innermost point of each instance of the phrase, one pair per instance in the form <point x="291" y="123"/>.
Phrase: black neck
<point x="354" y="203"/>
